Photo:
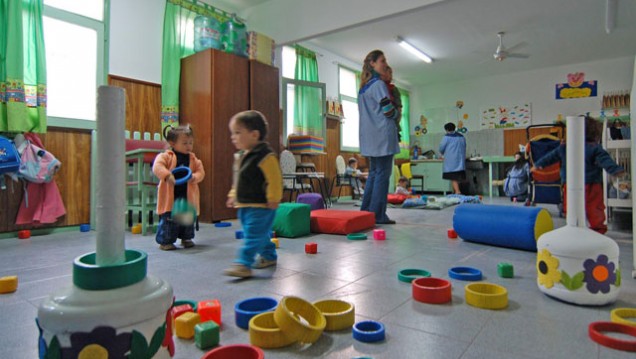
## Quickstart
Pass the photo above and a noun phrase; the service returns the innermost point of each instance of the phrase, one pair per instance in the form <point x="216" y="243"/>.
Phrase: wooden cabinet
<point x="214" y="86"/>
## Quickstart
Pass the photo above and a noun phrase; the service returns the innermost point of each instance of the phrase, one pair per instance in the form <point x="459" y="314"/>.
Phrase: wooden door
<point x="263" y="95"/>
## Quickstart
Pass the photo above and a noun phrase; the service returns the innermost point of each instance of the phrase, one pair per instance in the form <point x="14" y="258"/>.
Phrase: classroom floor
<point x="362" y="272"/>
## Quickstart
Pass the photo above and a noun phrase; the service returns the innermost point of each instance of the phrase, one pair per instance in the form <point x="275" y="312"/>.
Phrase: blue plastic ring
<point x="368" y="331"/>
<point x="465" y="273"/>
<point x="222" y="224"/>
<point x="248" y="308"/>
<point x="85" y="227"/>
<point x="185" y="178"/>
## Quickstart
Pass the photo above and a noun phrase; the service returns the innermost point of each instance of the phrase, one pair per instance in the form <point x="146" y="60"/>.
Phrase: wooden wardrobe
<point x="214" y="86"/>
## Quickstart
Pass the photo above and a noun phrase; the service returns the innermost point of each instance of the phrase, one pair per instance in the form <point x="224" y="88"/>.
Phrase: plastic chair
<point x="291" y="182"/>
<point x="406" y="172"/>
<point x="342" y="179"/>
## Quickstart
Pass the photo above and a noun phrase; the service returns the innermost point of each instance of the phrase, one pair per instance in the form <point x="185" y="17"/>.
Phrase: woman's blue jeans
<point x="377" y="187"/>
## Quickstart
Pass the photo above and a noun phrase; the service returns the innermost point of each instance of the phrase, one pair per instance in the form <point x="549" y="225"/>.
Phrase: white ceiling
<point x="461" y="34"/>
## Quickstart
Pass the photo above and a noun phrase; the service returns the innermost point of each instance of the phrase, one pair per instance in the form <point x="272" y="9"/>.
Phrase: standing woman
<point x="378" y="134"/>
<point x="453" y="148"/>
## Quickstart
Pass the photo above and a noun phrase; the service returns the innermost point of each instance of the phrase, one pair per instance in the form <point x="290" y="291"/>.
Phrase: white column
<point x="575" y="171"/>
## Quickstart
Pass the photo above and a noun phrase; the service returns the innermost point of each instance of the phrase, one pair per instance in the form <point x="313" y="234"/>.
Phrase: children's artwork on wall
<point x="421" y="129"/>
<point x="506" y="116"/>
<point x="576" y="87"/>
<point x="461" y="128"/>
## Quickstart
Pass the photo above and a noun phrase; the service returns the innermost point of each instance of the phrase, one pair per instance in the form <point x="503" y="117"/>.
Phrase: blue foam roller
<point x="503" y="226"/>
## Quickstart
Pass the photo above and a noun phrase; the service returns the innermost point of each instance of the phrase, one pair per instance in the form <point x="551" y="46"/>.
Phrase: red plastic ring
<point x="431" y="290"/>
<point x="244" y="351"/>
<point x="596" y="329"/>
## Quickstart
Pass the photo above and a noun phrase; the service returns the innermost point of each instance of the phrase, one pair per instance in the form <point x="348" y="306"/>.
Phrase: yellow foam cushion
<point x="9" y="284"/>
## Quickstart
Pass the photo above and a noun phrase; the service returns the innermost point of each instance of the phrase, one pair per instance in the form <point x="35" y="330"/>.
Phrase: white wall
<point x="537" y="87"/>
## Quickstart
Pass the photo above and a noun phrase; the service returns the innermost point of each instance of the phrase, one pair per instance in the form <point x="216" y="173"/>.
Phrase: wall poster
<point x="512" y="116"/>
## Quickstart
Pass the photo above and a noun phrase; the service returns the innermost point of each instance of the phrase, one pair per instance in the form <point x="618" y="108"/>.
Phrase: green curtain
<point x="308" y="105"/>
<point x="22" y="67"/>
<point x="404" y="125"/>
<point x="178" y="42"/>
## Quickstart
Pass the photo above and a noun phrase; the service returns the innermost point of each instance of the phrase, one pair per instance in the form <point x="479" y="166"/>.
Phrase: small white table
<point x="495" y="159"/>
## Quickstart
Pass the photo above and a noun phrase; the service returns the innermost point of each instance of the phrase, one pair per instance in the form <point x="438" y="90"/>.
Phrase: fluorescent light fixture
<point x="414" y="50"/>
<point x="611" y="8"/>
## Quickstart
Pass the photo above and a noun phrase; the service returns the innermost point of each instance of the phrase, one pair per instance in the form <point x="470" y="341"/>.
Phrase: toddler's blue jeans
<point x="257" y="224"/>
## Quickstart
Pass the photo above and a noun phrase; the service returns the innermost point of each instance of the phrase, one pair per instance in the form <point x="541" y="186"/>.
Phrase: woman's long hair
<point x="521" y="161"/>
<point x="367" y="70"/>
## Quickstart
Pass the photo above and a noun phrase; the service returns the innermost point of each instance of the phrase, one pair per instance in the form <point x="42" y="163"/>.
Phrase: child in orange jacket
<point x="180" y="153"/>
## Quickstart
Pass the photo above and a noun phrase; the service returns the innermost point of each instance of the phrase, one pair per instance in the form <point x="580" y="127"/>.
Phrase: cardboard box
<point x="260" y="48"/>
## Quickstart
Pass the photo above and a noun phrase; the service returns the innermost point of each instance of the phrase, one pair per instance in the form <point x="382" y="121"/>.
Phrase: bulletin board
<point x="519" y="115"/>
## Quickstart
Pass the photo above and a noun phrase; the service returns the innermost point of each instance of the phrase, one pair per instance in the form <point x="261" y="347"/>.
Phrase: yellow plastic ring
<point x="265" y="333"/>
<point x="618" y="315"/>
<point x="339" y="314"/>
<point x="486" y="295"/>
<point x="287" y="316"/>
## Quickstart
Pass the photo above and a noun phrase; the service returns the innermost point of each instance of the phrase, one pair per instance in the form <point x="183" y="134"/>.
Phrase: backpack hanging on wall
<point x="9" y="157"/>
<point x="37" y="165"/>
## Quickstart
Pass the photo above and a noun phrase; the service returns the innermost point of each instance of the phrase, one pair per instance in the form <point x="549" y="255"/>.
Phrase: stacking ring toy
<point x="287" y="316"/>
<point x="431" y="290"/>
<point x="265" y="333"/>
<point x="619" y="315"/>
<point x="339" y="314"/>
<point x="248" y="308"/>
<point x="186" y="177"/>
<point x="356" y="236"/>
<point x="368" y="331"/>
<point x="465" y="273"/>
<point x="596" y="329"/>
<point x="222" y="224"/>
<point x="192" y="303"/>
<point x="407" y="275"/>
<point x="486" y="295"/>
<point x="243" y="351"/>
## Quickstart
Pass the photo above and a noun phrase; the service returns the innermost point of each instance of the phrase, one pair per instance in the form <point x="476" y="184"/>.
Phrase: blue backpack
<point x="9" y="157"/>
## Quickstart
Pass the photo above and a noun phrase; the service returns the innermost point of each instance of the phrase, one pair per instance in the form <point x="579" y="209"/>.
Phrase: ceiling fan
<point x="502" y="53"/>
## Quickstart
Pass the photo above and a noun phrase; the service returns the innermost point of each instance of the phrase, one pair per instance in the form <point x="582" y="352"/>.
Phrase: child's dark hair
<point x="352" y="160"/>
<point x="521" y="161"/>
<point x="171" y="134"/>
<point x="449" y="127"/>
<point x="592" y="129"/>
<point x="253" y="121"/>
<point x="403" y="179"/>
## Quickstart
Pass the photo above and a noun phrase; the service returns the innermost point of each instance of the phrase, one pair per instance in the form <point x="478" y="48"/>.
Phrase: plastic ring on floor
<point x="486" y="295"/>
<point x="265" y="333"/>
<point x="85" y="227"/>
<point x="339" y="314"/>
<point x="222" y="224"/>
<point x="596" y="329"/>
<point x="432" y="290"/>
<point x="408" y="275"/>
<point x="356" y="236"/>
<point x="243" y="351"/>
<point x="465" y="273"/>
<point x="192" y="303"/>
<point x="619" y="315"/>
<point x="187" y="174"/>
<point x="248" y="308"/>
<point x="287" y="317"/>
<point x="368" y="331"/>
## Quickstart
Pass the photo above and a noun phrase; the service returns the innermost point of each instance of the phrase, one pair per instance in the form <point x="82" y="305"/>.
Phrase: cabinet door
<point x="264" y="98"/>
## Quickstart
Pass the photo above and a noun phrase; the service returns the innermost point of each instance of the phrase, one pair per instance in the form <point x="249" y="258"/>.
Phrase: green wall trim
<point x="41" y="231"/>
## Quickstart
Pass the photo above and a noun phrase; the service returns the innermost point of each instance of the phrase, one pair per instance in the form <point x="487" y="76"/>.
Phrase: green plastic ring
<point x="192" y="303"/>
<point x="356" y="236"/>
<point x="88" y="275"/>
<point x="408" y="275"/>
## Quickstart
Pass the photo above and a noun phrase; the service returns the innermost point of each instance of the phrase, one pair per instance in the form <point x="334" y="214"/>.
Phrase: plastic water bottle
<point x="415" y="153"/>
<point x="207" y="33"/>
<point x="234" y="37"/>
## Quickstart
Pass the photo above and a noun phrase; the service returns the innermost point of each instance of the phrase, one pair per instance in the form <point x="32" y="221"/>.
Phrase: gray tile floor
<point x="363" y="272"/>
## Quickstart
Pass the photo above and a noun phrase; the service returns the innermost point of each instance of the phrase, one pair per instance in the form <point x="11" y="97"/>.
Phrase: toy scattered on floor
<point x="136" y="229"/>
<point x="505" y="270"/>
<point x="8" y="284"/>
<point x="265" y="333"/>
<point x="431" y="290"/>
<point x="368" y="331"/>
<point x="288" y="313"/>
<point x="235" y="351"/>
<point x="314" y="200"/>
<point x="357" y="236"/>
<point x="177" y="310"/>
<point x="620" y="315"/>
<point x="311" y="248"/>
<point x="340" y="315"/>
<point x="276" y="242"/>
<point x="246" y="309"/>
<point x="486" y="295"/>
<point x="185" y="323"/>
<point x="408" y="275"/>
<point x="192" y="303"/>
<point x="24" y="234"/>
<point x="85" y="227"/>
<point x="335" y="221"/>
<point x="379" y="234"/>
<point x="451" y="233"/>
<point x="210" y="310"/>
<point x="292" y="220"/>
<point x="504" y="226"/>
<point x="239" y="234"/>
<point x="597" y="330"/>
<point x="222" y="224"/>
<point x="206" y="335"/>
<point x="465" y="273"/>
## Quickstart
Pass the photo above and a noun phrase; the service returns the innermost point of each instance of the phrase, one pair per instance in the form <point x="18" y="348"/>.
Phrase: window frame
<point x="101" y="73"/>
<point x="342" y="97"/>
<point x="321" y="85"/>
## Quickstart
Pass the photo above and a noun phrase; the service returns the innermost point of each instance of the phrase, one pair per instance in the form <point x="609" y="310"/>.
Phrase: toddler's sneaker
<point x="238" y="270"/>
<point x="187" y="243"/>
<point x="263" y="263"/>
<point x="167" y="247"/>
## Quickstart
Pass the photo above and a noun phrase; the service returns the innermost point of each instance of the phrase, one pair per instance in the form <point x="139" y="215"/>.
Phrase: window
<point x="348" y="92"/>
<point x="75" y="52"/>
<point x="289" y="62"/>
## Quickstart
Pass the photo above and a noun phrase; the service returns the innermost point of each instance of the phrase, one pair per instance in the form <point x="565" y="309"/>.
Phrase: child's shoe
<point x="167" y="247"/>
<point x="238" y="270"/>
<point x="263" y="263"/>
<point x="187" y="243"/>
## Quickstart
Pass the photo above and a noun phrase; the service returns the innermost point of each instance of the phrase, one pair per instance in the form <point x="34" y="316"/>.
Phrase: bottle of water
<point x="207" y="33"/>
<point x="234" y="37"/>
<point x="415" y="153"/>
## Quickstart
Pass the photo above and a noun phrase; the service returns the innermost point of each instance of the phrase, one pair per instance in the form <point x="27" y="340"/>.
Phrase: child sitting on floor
<point x="403" y="186"/>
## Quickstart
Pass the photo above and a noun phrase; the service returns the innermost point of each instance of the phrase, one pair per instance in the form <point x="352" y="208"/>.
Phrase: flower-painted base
<point x="579" y="266"/>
